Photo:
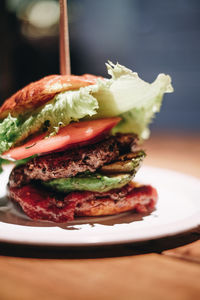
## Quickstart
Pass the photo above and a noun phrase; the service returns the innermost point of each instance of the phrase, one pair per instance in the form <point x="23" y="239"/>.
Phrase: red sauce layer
<point x="40" y="204"/>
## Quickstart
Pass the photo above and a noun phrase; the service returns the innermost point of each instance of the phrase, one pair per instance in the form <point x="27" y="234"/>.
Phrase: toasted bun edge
<point x="40" y="92"/>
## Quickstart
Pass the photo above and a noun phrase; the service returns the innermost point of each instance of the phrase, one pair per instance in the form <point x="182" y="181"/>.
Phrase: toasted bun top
<point x="39" y="92"/>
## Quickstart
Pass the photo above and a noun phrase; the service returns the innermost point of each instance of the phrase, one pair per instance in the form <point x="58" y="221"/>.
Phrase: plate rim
<point x="192" y="226"/>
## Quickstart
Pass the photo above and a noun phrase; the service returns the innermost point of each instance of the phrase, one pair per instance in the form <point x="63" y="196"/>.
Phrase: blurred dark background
<point x="148" y="36"/>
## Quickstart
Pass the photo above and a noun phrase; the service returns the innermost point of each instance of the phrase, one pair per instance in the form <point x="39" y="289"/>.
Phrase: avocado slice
<point x="90" y="182"/>
<point x="127" y="163"/>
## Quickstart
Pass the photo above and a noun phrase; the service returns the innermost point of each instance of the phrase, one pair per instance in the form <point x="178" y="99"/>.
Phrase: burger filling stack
<point x="76" y="142"/>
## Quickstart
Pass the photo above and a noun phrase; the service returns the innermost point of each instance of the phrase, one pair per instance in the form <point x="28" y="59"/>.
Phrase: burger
<point x="76" y="141"/>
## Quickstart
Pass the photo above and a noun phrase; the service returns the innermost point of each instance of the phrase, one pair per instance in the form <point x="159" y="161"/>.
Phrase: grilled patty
<point x="72" y="162"/>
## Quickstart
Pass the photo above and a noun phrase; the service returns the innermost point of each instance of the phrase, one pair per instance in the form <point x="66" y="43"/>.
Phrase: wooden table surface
<point x="167" y="268"/>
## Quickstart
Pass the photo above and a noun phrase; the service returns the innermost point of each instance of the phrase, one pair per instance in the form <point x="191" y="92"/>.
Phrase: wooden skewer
<point x="65" y="68"/>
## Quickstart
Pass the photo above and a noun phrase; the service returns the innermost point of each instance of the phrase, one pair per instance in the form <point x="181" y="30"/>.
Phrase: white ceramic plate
<point x="178" y="210"/>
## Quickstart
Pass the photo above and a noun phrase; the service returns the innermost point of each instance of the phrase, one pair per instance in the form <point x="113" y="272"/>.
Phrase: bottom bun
<point x="141" y="199"/>
<point x="40" y="204"/>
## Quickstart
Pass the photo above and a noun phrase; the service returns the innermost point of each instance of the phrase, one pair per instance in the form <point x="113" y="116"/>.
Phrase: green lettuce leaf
<point x="124" y="94"/>
<point x="3" y="162"/>
<point x="60" y="111"/>
<point x="128" y="96"/>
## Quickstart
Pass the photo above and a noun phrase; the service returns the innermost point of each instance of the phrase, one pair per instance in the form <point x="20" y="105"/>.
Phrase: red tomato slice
<point x="67" y="137"/>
